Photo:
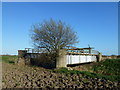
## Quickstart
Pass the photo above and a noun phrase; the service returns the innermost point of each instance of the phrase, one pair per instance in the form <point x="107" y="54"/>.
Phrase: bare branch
<point x="53" y="35"/>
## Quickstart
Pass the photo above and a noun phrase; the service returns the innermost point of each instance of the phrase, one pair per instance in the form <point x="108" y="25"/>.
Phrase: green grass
<point x="9" y="59"/>
<point x="87" y="74"/>
<point x="108" y="67"/>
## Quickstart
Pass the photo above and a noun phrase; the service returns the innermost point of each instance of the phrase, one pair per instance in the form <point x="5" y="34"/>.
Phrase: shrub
<point x="44" y="60"/>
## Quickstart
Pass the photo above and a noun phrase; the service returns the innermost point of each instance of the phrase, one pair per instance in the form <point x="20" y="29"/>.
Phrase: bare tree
<point x="53" y="35"/>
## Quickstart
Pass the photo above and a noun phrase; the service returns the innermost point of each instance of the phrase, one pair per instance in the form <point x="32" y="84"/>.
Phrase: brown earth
<point x="83" y="67"/>
<point x="15" y="76"/>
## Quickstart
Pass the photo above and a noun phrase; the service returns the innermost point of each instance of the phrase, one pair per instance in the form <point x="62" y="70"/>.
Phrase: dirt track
<point x="14" y="76"/>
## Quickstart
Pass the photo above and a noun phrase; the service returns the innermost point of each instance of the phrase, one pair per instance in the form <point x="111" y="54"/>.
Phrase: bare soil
<point x="15" y="76"/>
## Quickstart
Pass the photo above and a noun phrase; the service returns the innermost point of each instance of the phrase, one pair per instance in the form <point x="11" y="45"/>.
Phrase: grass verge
<point x="108" y="67"/>
<point x="9" y="59"/>
<point x="88" y="74"/>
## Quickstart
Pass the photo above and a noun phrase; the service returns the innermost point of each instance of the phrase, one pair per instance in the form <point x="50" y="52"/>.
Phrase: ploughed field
<point x="16" y="76"/>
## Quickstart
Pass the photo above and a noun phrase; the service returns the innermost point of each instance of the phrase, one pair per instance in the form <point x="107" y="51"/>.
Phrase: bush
<point x="44" y="60"/>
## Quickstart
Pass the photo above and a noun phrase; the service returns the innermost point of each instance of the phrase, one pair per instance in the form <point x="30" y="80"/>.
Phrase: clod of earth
<point x="15" y="76"/>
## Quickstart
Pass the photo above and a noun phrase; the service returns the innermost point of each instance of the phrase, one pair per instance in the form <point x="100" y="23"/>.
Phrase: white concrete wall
<point x="75" y="59"/>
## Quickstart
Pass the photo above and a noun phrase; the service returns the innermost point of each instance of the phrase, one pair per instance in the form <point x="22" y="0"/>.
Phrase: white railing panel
<point x="82" y="59"/>
<point x="75" y="59"/>
<point x="89" y="58"/>
<point x="68" y="59"/>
